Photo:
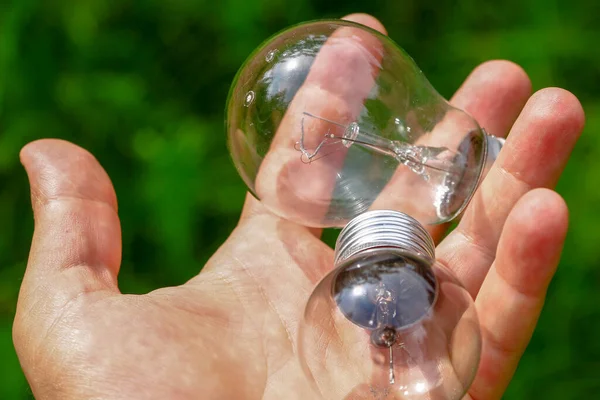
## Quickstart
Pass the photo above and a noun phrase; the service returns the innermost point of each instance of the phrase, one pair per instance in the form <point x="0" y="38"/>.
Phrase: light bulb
<point x="328" y="119"/>
<point x="389" y="322"/>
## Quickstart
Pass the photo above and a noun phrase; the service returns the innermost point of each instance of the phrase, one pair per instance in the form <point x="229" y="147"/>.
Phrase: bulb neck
<point x="383" y="228"/>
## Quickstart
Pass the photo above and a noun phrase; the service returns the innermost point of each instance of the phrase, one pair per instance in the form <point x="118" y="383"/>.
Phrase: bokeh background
<point x="143" y="84"/>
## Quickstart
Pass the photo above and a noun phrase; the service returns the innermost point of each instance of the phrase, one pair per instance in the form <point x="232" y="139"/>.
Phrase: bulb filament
<point x="417" y="158"/>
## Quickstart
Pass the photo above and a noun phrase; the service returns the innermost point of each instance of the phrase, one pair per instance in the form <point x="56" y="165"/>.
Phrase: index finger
<point x="494" y="94"/>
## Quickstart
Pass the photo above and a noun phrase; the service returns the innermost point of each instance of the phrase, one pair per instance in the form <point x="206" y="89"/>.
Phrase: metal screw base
<point x="383" y="228"/>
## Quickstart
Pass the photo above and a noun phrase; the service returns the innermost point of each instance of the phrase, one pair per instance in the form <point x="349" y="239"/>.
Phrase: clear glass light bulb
<point x="389" y="322"/>
<point x="328" y="119"/>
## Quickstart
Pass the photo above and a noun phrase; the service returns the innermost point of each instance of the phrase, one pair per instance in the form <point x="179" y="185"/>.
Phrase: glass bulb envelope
<point x="329" y="119"/>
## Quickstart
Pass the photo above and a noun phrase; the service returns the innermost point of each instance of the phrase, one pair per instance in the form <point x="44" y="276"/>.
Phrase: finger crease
<point x="497" y="343"/>
<point x="513" y="175"/>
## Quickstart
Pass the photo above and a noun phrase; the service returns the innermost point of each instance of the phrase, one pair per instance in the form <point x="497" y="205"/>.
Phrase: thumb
<point x="76" y="247"/>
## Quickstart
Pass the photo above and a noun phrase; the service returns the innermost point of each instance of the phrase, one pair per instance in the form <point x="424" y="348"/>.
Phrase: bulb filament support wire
<point x="415" y="157"/>
<point x="392" y="377"/>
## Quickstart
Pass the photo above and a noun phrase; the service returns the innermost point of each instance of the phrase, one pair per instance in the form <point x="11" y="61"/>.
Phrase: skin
<point x="229" y="333"/>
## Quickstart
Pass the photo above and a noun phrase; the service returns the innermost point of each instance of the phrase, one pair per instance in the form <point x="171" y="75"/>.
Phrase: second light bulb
<point x="389" y="322"/>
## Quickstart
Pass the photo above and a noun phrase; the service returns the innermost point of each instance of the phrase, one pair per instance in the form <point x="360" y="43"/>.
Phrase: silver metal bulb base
<point x="383" y="228"/>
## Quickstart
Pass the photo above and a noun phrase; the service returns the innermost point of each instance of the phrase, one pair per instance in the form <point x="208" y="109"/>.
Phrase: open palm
<point x="230" y="332"/>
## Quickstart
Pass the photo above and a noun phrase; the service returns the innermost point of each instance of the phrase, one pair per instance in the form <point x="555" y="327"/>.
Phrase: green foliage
<point x="142" y="85"/>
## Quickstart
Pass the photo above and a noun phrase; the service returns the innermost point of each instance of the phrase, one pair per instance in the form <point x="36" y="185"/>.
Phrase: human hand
<point x="229" y="333"/>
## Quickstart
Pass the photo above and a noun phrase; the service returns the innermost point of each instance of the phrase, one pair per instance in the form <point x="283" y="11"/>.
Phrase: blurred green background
<point x="142" y="85"/>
